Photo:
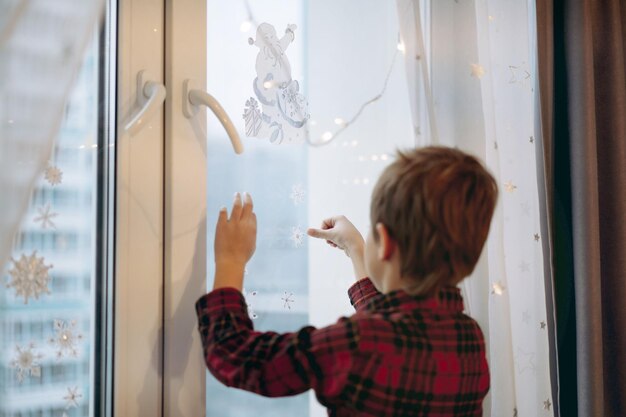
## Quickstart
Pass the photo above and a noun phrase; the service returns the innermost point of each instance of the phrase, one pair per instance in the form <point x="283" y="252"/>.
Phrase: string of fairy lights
<point x="328" y="136"/>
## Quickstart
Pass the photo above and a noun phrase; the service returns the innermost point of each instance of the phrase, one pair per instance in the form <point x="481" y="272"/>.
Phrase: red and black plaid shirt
<point x="399" y="355"/>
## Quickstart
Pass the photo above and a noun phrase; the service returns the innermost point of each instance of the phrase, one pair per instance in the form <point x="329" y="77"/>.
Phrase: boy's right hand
<point x="340" y="233"/>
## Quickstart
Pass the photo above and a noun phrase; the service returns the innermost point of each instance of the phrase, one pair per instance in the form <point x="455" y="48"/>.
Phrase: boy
<point x="409" y="350"/>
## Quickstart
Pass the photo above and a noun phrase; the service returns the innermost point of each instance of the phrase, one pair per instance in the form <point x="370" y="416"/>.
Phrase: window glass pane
<point x="46" y="306"/>
<point x="343" y="55"/>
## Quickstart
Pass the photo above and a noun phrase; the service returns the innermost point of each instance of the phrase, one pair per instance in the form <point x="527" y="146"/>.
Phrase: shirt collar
<point x="448" y="299"/>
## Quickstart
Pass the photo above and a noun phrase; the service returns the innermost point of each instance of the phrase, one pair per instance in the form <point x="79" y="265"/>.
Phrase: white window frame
<point x="137" y="378"/>
<point x="185" y="210"/>
<point x="158" y="368"/>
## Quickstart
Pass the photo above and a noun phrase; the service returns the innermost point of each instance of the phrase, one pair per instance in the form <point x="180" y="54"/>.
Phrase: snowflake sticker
<point x="297" y="194"/>
<point x="72" y="397"/>
<point x="249" y="297"/>
<point x="66" y="339"/>
<point x="29" y="277"/>
<point x="45" y="217"/>
<point x="297" y="236"/>
<point x="26" y="362"/>
<point x="288" y="300"/>
<point x="54" y="175"/>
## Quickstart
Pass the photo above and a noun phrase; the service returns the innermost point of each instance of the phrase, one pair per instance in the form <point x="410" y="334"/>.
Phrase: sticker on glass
<point x="26" y="362"/>
<point x="66" y="339"/>
<point x="279" y="112"/>
<point x="29" y="277"/>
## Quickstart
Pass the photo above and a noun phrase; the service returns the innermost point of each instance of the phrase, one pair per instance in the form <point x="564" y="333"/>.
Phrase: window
<point x="47" y="342"/>
<point x="340" y="63"/>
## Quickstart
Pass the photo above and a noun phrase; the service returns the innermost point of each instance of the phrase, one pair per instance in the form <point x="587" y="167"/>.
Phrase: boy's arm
<point x="269" y="363"/>
<point x="340" y="233"/>
<point x="361" y="292"/>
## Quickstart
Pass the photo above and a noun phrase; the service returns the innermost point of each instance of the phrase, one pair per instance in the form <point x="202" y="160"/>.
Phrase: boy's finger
<point x="318" y="233"/>
<point x="223" y="216"/>
<point x="248" y="206"/>
<point x="236" y="212"/>
<point x="328" y="223"/>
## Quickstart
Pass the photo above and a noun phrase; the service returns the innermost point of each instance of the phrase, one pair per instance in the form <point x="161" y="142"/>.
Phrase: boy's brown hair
<point x="437" y="204"/>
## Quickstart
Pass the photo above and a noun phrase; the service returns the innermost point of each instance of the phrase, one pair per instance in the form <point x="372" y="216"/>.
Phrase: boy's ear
<point x="386" y="245"/>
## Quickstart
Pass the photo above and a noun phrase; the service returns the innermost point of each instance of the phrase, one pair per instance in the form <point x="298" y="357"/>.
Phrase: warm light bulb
<point x="327" y="136"/>
<point x="401" y="47"/>
<point x="339" y="121"/>
<point x="354" y="142"/>
<point x="497" y="288"/>
<point x="245" y="26"/>
<point x="374" y="157"/>
<point x="384" y="157"/>
<point x="268" y="84"/>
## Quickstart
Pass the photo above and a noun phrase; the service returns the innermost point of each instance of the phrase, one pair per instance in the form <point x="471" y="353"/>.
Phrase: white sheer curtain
<point x="41" y="48"/>
<point x="482" y="61"/>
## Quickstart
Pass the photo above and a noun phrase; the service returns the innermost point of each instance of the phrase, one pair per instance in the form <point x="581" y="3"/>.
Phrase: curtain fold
<point x="483" y="61"/>
<point x="41" y="48"/>
<point x="413" y="46"/>
<point x="583" y="82"/>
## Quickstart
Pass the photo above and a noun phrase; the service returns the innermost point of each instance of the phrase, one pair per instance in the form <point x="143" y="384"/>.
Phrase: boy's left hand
<point x="235" y="242"/>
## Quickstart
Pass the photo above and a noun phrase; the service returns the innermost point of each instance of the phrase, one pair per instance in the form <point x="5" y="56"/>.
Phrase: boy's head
<point x="430" y="212"/>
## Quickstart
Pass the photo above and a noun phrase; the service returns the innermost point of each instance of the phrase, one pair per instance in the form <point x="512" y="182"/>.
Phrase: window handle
<point x="150" y="98"/>
<point x="194" y="97"/>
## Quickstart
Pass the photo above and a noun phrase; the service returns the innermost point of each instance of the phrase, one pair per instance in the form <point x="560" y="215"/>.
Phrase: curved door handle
<point x="195" y="97"/>
<point x="150" y="97"/>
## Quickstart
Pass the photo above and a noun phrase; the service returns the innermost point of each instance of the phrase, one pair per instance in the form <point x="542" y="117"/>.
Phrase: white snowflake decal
<point x="26" y="362"/>
<point x="45" y="217"/>
<point x="297" y="236"/>
<point x="297" y="194"/>
<point x="72" y="398"/>
<point x="249" y="296"/>
<point x="287" y="298"/>
<point x="29" y="277"/>
<point x="54" y="175"/>
<point x="66" y="338"/>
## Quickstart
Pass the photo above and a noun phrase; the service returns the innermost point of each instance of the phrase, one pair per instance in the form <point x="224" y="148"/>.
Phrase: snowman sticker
<point x="283" y="110"/>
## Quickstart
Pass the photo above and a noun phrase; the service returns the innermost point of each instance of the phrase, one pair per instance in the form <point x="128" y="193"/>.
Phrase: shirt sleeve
<point x="361" y="292"/>
<point x="269" y="363"/>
